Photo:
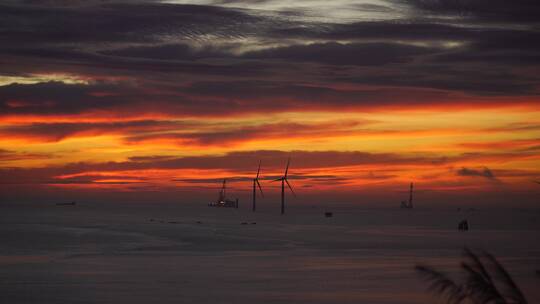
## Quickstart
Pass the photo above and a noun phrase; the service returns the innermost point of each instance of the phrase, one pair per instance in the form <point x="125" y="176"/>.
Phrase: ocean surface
<point x="185" y="253"/>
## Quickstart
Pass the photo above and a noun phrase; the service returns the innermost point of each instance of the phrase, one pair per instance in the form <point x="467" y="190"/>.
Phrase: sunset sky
<point x="161" y="100"/>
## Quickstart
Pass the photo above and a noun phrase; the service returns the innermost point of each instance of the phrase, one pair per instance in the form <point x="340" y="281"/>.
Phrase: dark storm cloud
<point x="173" y="53"/>
<point x="66" y="58"/>
<point x="248" y="133"/>
<point x="502" y="48"/>
<point x="59" y="131"/>
<point x="498" y="11"/>
<point x="270" y="90"/>
<point x="509" y="57"/>
<point x="236" y="97"/>
<point x="181" y="132"/>
<point x="87" y="36"/>
<point x="95" y="179"/>
<point x="117" y="22"/>
<point x="150" y="158"/>
<point x="8" y="155"/>
<point x="331" y="53"/>
<point x="199" y="98"/>
<point x="485" y="172"/>
<point x="343" y="54"/>
<point x="170" y="52"/>
<point x="56" y="98"/>
<point x="515" y="173"/>
<point x="280" y="94"/>
<point x="450" y="77"/>
<point x="381" y="30"/>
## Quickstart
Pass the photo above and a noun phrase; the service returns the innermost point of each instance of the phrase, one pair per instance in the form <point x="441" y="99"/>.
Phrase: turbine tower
<point x="410" y="197"/>
<point x="222" y="193"/>
<point x="255" y="184"/>
<point x="284" y="180"/>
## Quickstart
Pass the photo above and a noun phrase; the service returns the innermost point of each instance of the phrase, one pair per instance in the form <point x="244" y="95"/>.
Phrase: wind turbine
<point x="255" y="184"/>
<point x="284" y="180"/>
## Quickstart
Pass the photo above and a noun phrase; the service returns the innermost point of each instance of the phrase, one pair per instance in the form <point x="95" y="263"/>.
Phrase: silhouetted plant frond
<point x="476" y="265"/>
<point x="481" y="289"/>
<point x="481" y="284"/>
<point x="442" y="284"/>
<point x="513" y="292"/>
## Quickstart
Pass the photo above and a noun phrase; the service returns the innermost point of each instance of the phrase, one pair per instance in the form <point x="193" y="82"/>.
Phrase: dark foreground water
<point x="166" y="253"/>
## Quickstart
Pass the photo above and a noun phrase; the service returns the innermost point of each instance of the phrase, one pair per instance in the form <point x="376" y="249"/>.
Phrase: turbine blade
<point x="287" y="181"/>
<point x="258" y="170"/>
<point x="277" y="180"/>
<point x="287" y="169"/>
<point x="260" y="188"/>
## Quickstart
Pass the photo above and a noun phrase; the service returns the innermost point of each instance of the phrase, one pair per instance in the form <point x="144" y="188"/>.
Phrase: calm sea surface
<point x="167" y="253"/>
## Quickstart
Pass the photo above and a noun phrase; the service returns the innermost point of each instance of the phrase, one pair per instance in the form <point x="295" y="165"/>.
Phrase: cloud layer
<point x="98" y="93"/>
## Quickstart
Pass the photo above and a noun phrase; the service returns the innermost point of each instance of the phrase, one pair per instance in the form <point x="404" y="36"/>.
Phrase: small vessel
<point x="66" y="204"/>
<point x="463" y="225"/>
<point x="222" y="200"/>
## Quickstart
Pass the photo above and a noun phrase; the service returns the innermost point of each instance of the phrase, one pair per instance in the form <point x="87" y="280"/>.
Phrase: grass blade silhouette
<point x="514" y="292"/>
<point x="486" y="282"/>
<point x="479" y="282"/>
<point x="442" y="284"/>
